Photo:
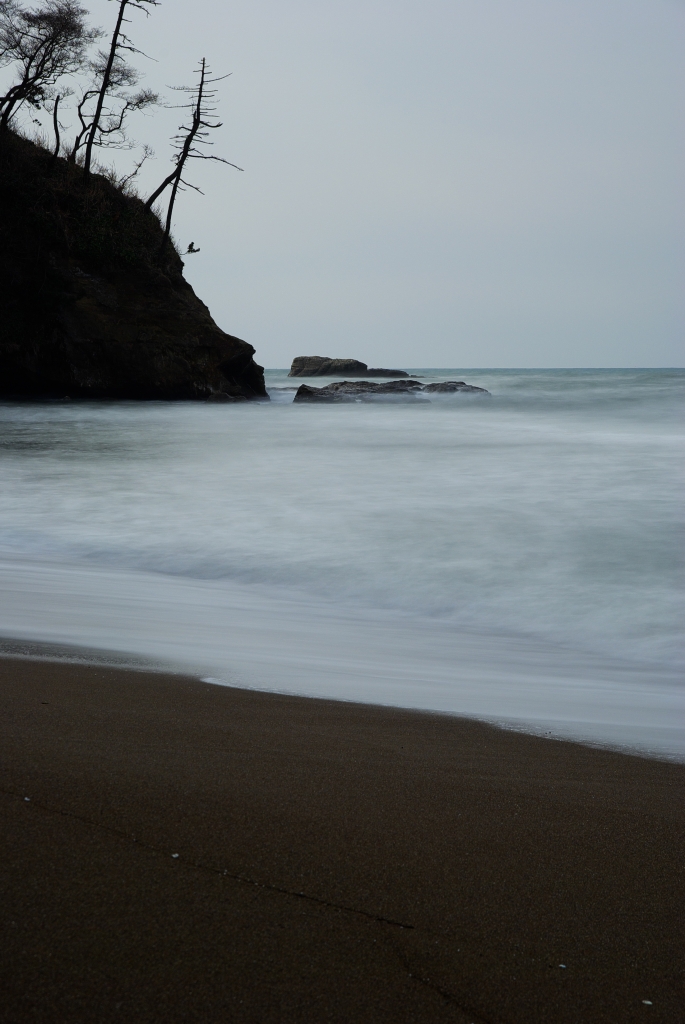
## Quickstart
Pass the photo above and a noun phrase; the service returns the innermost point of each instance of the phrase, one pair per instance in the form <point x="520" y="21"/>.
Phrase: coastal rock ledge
<point x="322" y="366"/>
<point x="94" y="305"/>
<point x="366" y="391"/>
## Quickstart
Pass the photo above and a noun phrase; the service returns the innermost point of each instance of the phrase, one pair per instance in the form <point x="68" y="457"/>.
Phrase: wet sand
<point x="190" y="852"/>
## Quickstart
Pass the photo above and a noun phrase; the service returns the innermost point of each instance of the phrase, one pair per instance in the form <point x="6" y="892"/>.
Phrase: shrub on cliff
<point x="46" y="205"/>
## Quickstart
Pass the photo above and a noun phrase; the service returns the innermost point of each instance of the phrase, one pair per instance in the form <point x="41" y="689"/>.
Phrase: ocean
<point x="515" y="556"/>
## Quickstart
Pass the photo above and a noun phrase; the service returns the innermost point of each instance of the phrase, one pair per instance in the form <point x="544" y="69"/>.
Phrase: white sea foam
<point x="513" y="557"/>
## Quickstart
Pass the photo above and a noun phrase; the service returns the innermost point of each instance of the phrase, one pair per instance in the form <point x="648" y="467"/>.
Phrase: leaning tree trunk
<point x="103" y="88"/>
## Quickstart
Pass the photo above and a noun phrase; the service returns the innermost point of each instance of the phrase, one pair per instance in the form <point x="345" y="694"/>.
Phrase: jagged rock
<point x="89" y="306"/>
<point x="322" y="366"/>
<point x="366" y="391"/>
<point x="446" y="386"/>
<point x="357" y="390"/>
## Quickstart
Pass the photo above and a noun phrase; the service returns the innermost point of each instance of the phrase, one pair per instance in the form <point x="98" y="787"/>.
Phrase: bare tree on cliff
<point x="111" y="131"/>
<point x="113" y="73"/>
<point x="57" y="127"/>
<point x="202" y="109"/>
<point x="46" y="43"/>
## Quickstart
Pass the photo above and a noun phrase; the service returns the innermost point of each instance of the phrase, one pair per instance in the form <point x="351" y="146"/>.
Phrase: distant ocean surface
<point x="515" y="556"/>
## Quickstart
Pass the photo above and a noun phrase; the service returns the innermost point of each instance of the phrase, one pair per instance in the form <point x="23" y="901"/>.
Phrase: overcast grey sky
<point x="435" y="182"/>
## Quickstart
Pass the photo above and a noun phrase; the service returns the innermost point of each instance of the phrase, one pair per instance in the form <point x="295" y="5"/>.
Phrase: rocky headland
<point x="323" y="366"/>
<point x="93" y="304"/>
<point x="365" y="391"/>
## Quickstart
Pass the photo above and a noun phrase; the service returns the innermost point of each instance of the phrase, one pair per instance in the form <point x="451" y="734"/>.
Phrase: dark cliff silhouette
<point x="91" y="305"/>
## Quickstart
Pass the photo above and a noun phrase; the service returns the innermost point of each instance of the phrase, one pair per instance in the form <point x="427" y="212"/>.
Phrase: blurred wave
<point x="548" y="513"/>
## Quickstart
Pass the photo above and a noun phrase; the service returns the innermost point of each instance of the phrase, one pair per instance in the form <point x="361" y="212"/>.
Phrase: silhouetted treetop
<point x="44" y="44"/>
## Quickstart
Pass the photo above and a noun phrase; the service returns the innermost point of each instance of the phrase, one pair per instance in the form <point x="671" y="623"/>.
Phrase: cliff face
<point x="88" y="309"/>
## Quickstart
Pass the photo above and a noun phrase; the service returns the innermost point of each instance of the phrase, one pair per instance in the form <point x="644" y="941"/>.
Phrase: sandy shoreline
<point x="336" y="862"/>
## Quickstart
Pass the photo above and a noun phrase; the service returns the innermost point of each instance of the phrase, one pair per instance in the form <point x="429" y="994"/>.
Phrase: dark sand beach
<point x="177" y="851"/>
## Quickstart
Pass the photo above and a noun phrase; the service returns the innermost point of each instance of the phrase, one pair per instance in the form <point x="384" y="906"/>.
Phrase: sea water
<point x="513" y="556"/>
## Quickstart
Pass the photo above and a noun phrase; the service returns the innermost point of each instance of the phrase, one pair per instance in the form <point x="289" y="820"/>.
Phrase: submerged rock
<point x="322" y="366"/>
<point x="91" y="306"/>
<point x="356" y="391"/>
<point x="446" y="386"/>
<point x="366" y="391"/>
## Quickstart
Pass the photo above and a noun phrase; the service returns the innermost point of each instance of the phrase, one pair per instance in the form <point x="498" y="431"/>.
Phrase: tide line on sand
<point x="279" y="640"/>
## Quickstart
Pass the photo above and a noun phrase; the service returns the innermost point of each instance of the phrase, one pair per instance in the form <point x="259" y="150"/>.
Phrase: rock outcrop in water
<point x="366" y="391"/>
<point x="444" y="387"/>
<point x="322" y="366"/>
<point x="89" y="306"/>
